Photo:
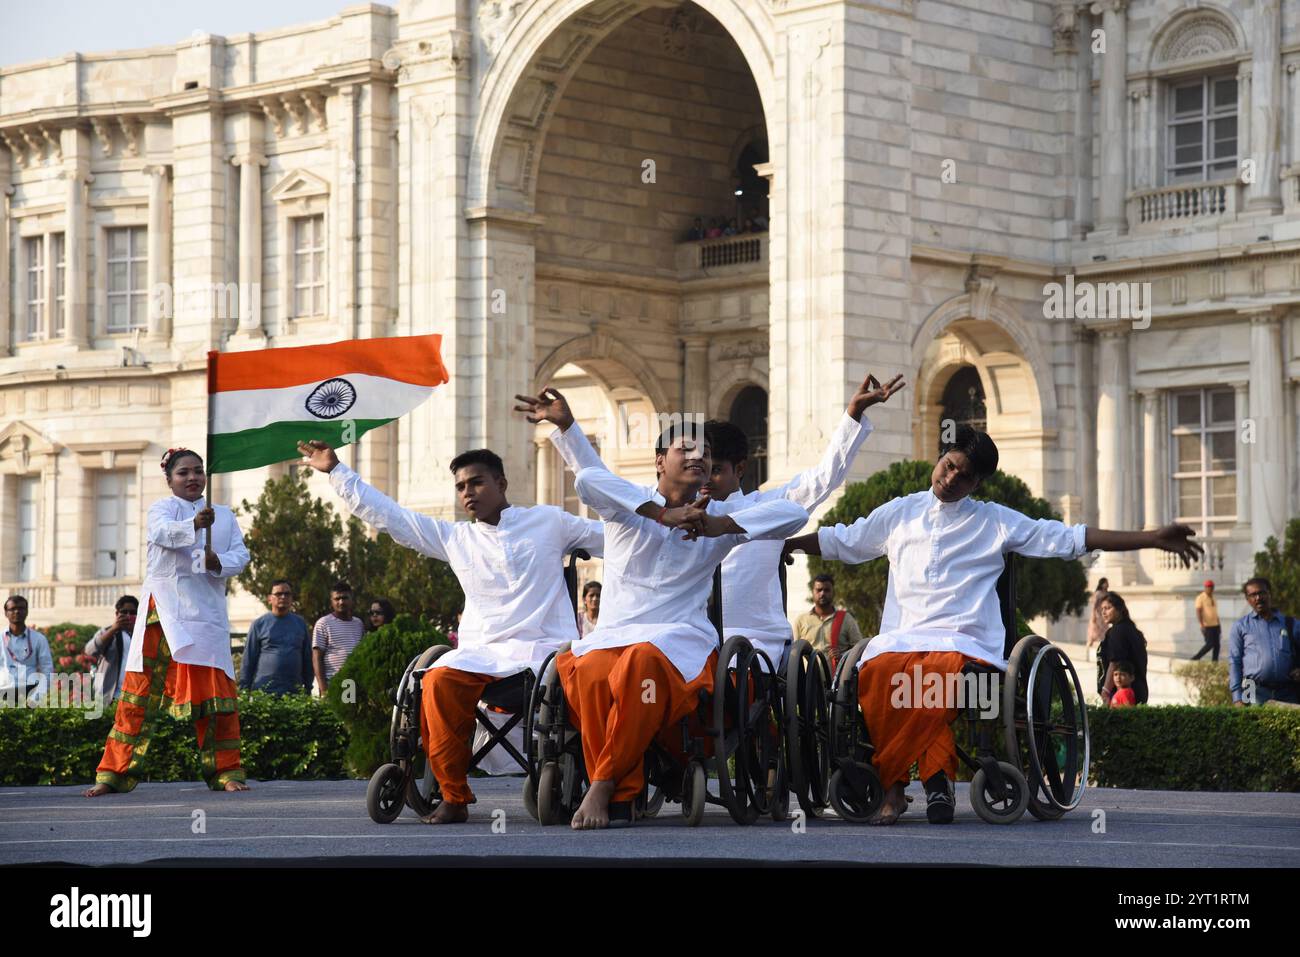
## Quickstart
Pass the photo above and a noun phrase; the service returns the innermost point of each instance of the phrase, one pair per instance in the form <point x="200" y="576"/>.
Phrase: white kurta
<point x="751" y="582"/>
<point x="517" y="610"/>
<point x="656" y="586"/>
<point x="944" y="563"/>
<point x="191" y="603"/>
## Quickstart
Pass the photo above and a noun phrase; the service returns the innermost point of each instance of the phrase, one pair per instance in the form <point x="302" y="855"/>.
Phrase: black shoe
<point x="940" y="799"/>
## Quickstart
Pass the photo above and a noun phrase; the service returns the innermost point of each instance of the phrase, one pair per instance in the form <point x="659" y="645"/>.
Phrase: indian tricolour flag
<point x="261" y="404"/>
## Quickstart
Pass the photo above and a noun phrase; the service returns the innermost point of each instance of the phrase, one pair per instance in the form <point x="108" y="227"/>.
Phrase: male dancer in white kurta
<point x="641" y="670"/>
<point x="509" y="561"/>
<point x="946" y="552"/>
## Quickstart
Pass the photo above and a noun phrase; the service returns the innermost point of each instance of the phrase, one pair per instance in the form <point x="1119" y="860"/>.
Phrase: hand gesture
<point x="121" y="623"/>
<point x="872" y="392"/>
<point x="1176" y="539"/>
<point x="211" y="561"/>
<point x="204" y="518"/>
<point x="550" y="406"/>
<point x="318" y="455"/>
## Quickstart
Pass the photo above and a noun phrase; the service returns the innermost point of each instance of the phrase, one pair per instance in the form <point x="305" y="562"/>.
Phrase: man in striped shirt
<point x="334" y="636"/>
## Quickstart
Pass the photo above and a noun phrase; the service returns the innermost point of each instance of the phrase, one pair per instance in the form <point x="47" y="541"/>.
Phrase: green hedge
<point x="361" y="693"/>
<point x="284" y="737"/>
<point x="1186" y="748"/>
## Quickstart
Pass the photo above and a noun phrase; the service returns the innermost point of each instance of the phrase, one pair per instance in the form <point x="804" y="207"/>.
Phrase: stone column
<point x="1242" y="528"/>
<point x="1083" y="125"/>
<point x="161" y="295"/>
<point x="1266" y="113"/>
<point x="1293" y="75"/>
<point x="1114" y="149"/>
<point x="76" y="175"/>
<point x="1153" y="471"/>
<point x="1243" y="115"/>
<point x="6" y="316"/>
<point x="1268" y="466"/>
<point x="545" y="474"/>
<point x="1140" y="97"/>
<point x="695" y="397"/>
<point x="1114" y="440"/>
<point x="250" y="165"/>
<point x="1085" y="419"/>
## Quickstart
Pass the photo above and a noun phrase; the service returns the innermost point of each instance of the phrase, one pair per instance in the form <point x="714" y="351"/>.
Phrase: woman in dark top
<point x="1123" y="642"/>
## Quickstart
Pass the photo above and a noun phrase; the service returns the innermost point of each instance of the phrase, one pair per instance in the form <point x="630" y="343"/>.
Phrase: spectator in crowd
<point x="1123" y="642"/>
<point x="715" y="228"/>
<point x="732" y="227"/>
<point x="749" y="226"/>
<point x="590" y="608"/>
<point x="24" y="654"/>
<point x="277" y="652"/>
<point x="1096" y="626"/>
<point x="334" y="636"/>
<point x="1207" y="614"/>
<point x="697" y="231"/>
<point x="829" y="630"/>
<point x="1124" y="696"/>
<point x="109" y="648"/>
<point x="382" y="613"/>
<point x="760" y="221"/>
<point x="1263" y="651"/>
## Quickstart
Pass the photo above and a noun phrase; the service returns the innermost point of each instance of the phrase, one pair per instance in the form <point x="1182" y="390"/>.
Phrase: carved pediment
<point x="1195" y="36"/>
<point x="299" y="184"/>
<point x="19" y="442"/>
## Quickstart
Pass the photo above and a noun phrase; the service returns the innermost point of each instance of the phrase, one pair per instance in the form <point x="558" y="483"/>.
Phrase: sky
<point x="40" y="29"/>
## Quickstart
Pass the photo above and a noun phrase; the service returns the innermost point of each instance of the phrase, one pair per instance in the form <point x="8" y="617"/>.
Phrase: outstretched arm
<point x="568" y="439"/>
<point x="1170" y="538"/>
<point x="421" y="533"/>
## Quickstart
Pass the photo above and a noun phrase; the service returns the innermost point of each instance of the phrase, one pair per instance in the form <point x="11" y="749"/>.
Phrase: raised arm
<point x="416" y="531"/>
<point x="810" y="488"/>
<point x="568" y="439"/>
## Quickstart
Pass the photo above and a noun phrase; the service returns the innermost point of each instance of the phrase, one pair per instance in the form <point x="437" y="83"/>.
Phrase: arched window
<point x="749" y="414"/>
<point x="963" y="401"/>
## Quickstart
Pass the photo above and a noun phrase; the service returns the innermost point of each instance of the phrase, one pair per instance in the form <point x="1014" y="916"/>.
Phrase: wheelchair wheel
<point x="807" y="727"/>
<point x="530" y="797"/>
<point x="694" y="791"/>
<point x="856" y="805"/>
<point x="384" y="797"/>
<point x="1045" y="726"/>
<point x="744" y="712"/>
<point x="650" y="802"/>
<point x="549" y="809"/>
<point x="1006" y="807"/>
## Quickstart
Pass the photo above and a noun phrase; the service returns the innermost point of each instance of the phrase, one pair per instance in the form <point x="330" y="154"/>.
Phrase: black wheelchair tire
<point x="385" y="797"/>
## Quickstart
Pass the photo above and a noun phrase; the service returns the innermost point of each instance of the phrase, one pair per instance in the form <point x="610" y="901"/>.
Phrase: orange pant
<point x="208" y="695"/>
<point x="620" y="699"/>
<point x="447" y="700"/>
<point x="902" y="735"/>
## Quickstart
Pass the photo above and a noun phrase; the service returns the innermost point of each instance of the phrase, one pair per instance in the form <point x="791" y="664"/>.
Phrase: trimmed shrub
<point x="67" y="646"/>
<point x="283" y="737"/>
<point x="361" y="694"/>
<point x="1187" y="748"/>
<point x="1207" y="681"/>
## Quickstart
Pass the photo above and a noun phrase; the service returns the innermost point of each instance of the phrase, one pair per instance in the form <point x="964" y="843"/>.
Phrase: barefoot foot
<point x="893" y="807"/>
<point x="448" y="812"/>
<point x="99" y="790"/>
<point x="593" y="812"/>
<point x="236" y="786"/>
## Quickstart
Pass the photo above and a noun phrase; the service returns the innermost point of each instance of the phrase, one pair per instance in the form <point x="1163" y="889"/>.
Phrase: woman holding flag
<point x="180" y="652"/>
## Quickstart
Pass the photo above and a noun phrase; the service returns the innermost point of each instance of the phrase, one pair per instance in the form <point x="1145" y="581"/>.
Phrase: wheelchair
<point x="406" y="780"/>
<point x="735" y="733"/>
<point x="1032" y="756"/>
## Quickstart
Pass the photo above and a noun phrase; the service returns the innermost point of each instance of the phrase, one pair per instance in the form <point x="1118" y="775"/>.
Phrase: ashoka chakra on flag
<point x="261" y="404"/>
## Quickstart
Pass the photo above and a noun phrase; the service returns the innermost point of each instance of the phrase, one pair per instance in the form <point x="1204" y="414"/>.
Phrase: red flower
<point x="65" y="661"/>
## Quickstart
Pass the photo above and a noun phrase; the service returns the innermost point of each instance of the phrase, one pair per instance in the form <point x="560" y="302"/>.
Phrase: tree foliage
<point x="297" y="536"/>
<point x="1281" y="566"/>
<point x="1044" y="586"/>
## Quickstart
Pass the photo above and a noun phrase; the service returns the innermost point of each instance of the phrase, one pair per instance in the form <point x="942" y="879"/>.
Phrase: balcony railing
<point x="1211" y="560"/>
<point x="724" y="255"/>
<point x="1182" y="204"/>
<point x="38" y="596"/>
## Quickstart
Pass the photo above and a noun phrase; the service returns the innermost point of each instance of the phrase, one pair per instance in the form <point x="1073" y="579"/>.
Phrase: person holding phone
<point x="109" y="648"/>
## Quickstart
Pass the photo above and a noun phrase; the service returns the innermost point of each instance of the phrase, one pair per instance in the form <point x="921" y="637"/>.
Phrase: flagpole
<point x="207" y="448"/>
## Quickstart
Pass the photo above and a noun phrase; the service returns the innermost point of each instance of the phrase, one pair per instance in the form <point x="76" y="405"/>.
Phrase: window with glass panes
<point x="116" y="525"/>
<point x="25" y="563"/>
<point x="1204" y="458"/>
<point x="60" y="256"/>
<point x="127" y="278"/>
<point x="309" y="266"/>
<point x="34" y="258"/>
<point x="1202" y="130"/>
